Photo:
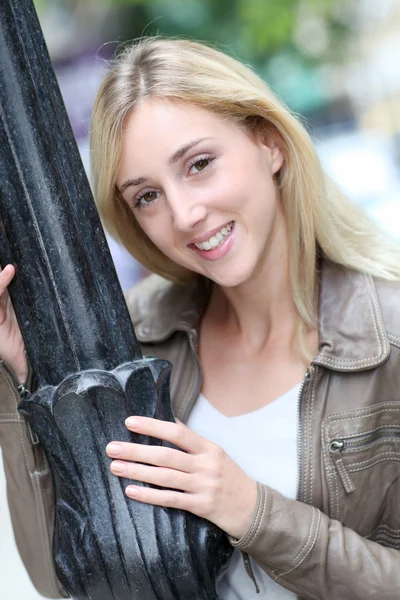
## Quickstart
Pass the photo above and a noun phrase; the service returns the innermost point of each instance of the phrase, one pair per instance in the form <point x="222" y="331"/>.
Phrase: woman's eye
<point x="146" y="199"/>
<point x="199" y="165"/>
<point x="148" y="196"/>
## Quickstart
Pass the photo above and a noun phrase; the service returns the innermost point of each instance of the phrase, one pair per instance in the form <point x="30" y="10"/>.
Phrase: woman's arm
<point x="29" y="483"/>
<point x="315" y="556"/>
<point x="29" y="490"/>
<point x="296" y="544"/>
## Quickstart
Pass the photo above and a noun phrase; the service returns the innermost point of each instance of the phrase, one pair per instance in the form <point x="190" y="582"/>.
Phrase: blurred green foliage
<point x="257" y="27"/>
<point x="285" y="40"/>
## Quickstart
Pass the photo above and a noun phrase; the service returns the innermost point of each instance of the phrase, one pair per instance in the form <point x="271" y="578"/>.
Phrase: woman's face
<point x="202" y="189"/>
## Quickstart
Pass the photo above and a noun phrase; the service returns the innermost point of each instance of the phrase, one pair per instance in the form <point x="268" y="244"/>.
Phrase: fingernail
<point x="131" y="491"/>
<point x="118" y="467"/>
<point x="114" y="449"/>
<point x="132" y="422"/>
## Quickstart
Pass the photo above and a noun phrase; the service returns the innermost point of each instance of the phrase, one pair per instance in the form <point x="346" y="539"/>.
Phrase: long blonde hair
<point x="318" y="217"/>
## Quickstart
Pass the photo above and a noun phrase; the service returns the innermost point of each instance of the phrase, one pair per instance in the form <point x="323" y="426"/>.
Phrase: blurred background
<point x="333" y="62"/>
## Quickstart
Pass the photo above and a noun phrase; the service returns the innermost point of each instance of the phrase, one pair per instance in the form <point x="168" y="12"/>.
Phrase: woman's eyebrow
<point x="182" y="151"/>
<point x="133" y="182"/>
<point x="173" y="159"/>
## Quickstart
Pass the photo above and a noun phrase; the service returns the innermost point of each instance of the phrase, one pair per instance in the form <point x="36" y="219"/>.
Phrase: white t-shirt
<point x="264" y="444"/>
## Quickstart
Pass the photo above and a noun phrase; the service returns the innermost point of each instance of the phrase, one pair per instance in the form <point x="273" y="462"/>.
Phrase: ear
<point x="270" y="142"/>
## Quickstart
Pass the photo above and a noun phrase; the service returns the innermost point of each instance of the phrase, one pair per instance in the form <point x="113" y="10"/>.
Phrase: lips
<point x="207" y="236"/>
<point x="216" y="240"/>
<point x="216" y="247"/>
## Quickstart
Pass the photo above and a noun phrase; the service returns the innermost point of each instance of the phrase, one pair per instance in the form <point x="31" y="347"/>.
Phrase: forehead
<point x="161" y="118"/>
<point x="157" y="128"/>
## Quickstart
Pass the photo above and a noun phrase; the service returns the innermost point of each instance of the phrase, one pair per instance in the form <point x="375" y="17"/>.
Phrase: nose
<point x="187" y="211"/>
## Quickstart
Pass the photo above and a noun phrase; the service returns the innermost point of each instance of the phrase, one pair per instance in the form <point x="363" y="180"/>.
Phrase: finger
<point x="166" y="498"/>
<point x="153" y="455"/>
<point x="6" y="276"/>
<point x="152" y="475"/>
<point x="175" y="433"/>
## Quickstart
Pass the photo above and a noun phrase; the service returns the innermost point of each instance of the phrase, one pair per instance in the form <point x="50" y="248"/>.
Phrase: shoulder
<point x="158" y="307"/>
<point x="358" y="299"/>
<point x="389" y="300"/>
<point x="145" y="296"/>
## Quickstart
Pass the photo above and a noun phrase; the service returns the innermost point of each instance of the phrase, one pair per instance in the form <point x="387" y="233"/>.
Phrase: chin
<point x="230" y="278"/>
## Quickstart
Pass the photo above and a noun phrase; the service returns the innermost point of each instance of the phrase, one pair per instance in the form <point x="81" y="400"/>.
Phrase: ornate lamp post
<point x="83" y="349"/>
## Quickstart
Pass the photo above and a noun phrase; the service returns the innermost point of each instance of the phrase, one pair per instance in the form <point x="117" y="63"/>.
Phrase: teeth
<point x="215" y="240"/>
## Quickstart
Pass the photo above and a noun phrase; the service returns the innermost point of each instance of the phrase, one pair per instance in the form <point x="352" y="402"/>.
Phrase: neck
<point x="257" y="312"/>
<point x="260" y="311"/>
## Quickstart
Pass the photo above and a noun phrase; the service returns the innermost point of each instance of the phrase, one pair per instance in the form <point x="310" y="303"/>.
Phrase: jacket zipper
<point x="300" y="422"/>
<point x="192" y="335"/>
<point x="340" y="445"/>
<point x="249" y="570"/>
<point x="21" y="387"/>
<point x="23" y="393"/>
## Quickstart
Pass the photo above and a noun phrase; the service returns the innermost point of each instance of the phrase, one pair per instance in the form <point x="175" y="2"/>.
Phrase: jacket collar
<point x="352" y="334"/>
<point x="165" y="307"/>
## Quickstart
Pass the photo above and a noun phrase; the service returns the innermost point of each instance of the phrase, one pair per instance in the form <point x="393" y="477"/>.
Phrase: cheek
<point x="229" y="192"/>
<point x="159" y="230"/>
<point x="247" y="184"/>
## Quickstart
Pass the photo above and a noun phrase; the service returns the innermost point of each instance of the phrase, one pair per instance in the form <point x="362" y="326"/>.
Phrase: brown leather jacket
<point x="341" y="539"/>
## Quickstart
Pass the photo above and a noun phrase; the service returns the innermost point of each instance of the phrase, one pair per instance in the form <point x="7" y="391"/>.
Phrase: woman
<point x="278" y="307"/>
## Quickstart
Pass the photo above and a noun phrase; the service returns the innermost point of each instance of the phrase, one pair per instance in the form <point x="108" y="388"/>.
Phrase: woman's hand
<point x="11" y="342"/>
<point x="203" y="479"/>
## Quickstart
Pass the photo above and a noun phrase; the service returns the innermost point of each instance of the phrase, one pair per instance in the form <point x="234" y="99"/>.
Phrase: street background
<point x="333" y="62"/>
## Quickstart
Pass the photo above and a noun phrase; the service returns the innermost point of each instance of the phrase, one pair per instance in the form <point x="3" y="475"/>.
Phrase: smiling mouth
<point x="215" y="240"/>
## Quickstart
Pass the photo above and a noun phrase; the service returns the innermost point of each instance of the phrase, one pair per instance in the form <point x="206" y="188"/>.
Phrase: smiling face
<point x="202" y="190"/>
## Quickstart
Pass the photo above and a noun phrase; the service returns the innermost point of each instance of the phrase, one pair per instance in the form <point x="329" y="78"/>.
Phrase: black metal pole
<point x="47" y="205"/>
<point x="83" y="349"/>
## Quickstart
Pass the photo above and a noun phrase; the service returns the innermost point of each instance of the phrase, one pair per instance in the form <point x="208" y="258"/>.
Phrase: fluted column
<point x="83" y="349"/>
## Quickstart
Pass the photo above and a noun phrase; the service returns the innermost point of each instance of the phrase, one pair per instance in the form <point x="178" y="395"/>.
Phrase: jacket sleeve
<point x="29" y="492"/>
<point x="316" y="557"/>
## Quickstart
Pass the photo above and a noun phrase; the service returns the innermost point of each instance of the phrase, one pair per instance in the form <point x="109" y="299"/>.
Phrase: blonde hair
<point x="318" y="217"/>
